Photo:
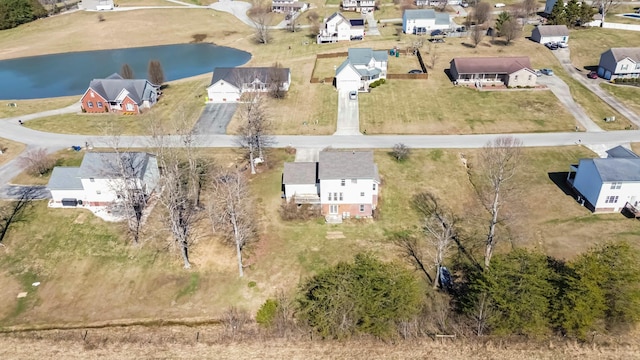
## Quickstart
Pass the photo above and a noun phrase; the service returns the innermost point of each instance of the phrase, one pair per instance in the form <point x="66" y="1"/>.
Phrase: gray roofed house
<point x="511" y="71"/>
<point x="97" y="180"/>
<point x="115" y="94"/>
<point x="228" y="84"/>
<point x="424" y="21"/>
<point x="337" y="27"/>
<point x="550" y="33"/>
<point x="346" y="165"/>
<point x="621" y="152"/>
<point x="608" y="184"/>
<point x="362" y="67"/>
<point x="65" y="178"/>
<point x="620" y="63"/>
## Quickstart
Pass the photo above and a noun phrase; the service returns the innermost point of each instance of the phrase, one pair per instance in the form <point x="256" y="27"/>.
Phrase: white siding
<point x="222" y="91"/>
<point x="58" y="195"/>
<point x="300" y="189"/>
<point x="546" y="39"/>
<point x="628" y="192"/>
<point x="626" y="66"/>
<point x="348" y="79"/>
<point x="99" y="190"/>
<point x="350" y="191"/>
<point x="430" y="24"/>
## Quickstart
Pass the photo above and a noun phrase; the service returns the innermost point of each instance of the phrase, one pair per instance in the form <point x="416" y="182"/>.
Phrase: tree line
<point x="18" y="12"/>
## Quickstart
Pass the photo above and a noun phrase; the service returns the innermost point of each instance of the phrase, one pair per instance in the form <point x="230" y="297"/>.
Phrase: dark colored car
<point x="551" y="46"/>
<point x="415" y="71"/>
<point x="436" y="40"/>
<point x="437" y="32"/>
<point x="592" y="75"/>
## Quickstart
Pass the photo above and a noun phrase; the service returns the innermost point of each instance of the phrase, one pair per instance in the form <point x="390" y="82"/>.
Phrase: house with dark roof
<point x="228" y="84"/>
<point x="620" y="63"/>
<point x="607" y="184"/>
<point x="344" y="184"/>
<point x="550" y="33"/>
<point x="481" y="71"/>
<point x="338" y="28"/>
<point x="101" y="178"/>
<point x="118" y="95"/>
<point x="362" y="67"/>
<point x="424" y="21"/>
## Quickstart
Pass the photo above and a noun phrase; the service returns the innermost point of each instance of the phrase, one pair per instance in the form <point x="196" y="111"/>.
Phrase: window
<point x="624" y="67"/>
<point x="335" y="196"/>
<point x="515" y="78"/>
<point x="92" y="94"/>
<point x="361" y="208"/>
<point x="530" y="77"/>
<point x="90" y="104"/>
<point x="340" y="196"/>
<point x="129" y="107"/>
<point x="343" y="182"/>
<point x="99" y="104"/>
<point x="616" y="185"/>
<point x="354" y="181"/>
<point x="374" y="187"/>
<point x="92" y="179"/>
<point x="611" y="200"/>
<point x="637" y="66"/>
<point x="329" y="197"/>
<point x="362" y="194"/>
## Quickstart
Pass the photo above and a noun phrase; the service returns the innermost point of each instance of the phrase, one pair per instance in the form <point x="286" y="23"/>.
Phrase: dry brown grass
<point x="587" y="45"/>
<point x="66" y="157"/>
<point x="31" y="106"/>
<point x="175" y="342"/>
<point x="10" y="150"/>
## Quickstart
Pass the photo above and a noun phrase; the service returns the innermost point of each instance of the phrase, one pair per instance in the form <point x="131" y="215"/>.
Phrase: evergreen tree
<point x="586" y="13"/>
<point x="17" y="12"/>
<point x="558" y="15"/>
<point x="502" y="19"/>
<point x="572" y="13"/>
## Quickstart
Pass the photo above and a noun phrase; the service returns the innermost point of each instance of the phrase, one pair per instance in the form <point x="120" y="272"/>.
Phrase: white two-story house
<point x="620" y="63"/>
<point x="344" y="183"/>
<point x="338" y="28"/>
<point x="424" y="21"/>
<point x="607" y="184"/>
<point x="99" y="181"/>
<point x="358" y="5"/>
<point x="362" y="67"/>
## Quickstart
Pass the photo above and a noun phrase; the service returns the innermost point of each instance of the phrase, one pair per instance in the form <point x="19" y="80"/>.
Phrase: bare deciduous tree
<point x="276" y="81"/>
<point x="254" y="130"/>
<point x="438" y="225"/>
<point x="605" y="6"/>
<point x="230" y="211"/>
<point x="530" y="7"/>
<point x="477" y="34"/>
<point x="261" y="18"/>
<point x="37" y="162"/>
<point x="127" y="72"/>
<point x="482" y="13"/>
<point x="499" y="162"/>
<point x="400" y="151"/>
<point x="510" y="30"/>
<point x="155" y="72"/>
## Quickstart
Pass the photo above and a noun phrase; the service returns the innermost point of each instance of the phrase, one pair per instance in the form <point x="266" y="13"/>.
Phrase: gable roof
<point x="65" y="178"/>
<point x="238" y="75"/>
<point x="440" y="17"/>
<point x="552" y="30"/>
<point x="621" y="152"/>
<point x="362" y="56"/>
<point x="347" y="165"/>
<point x="300" y="173"/>
<point x="104" y="165"/>
<point x="495" y="65"/>
<point x="622" y="53"/>
<point x="111" y="87"/>
<point x="616" y="169"/>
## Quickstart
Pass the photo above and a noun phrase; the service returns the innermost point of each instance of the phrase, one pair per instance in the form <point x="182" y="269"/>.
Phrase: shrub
<point x="267" y="313"/>
<point x="400" y="151"/>
<point x="37" y="162"/>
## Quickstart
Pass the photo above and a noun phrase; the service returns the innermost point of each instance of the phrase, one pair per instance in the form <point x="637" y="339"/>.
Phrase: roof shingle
<point x="494" y="65"/>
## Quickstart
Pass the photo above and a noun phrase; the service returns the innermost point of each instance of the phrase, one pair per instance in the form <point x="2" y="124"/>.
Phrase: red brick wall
<point x="94" y="100"/>
<point x="126" y="101"/>
<point x="353" y="209"/>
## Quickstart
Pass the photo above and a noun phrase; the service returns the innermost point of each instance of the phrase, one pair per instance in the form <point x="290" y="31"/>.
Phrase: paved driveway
<point x="215" y="118"/>
<point x="348" y="116"/>
<point x="564" y="56"/>
<point x="561" y="90"/>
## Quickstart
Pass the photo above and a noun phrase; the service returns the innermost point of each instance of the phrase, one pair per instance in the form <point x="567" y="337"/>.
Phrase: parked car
<point x="464" y="4"/>
<point x="548" y="72"/>
<point x="538" y="73"/>
<point x="437" y="32"/>
<point x="551" y="46"/>
<point x="592" y="75"/>
<point x="357" y="37"/>
<point x="461" y="29"/>
<point x="436" y="40"/>
<point x="353" y="95"/>
<point x="415" y="71"/>
<point x="499" y="5"/>
<point x="563" y="44"/>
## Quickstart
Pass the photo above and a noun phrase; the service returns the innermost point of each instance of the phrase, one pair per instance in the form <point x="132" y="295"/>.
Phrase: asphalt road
<point x="215" y="118"/>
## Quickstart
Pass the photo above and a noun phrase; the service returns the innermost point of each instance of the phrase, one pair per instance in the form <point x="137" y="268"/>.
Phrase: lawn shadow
<point x="560" y="179"/>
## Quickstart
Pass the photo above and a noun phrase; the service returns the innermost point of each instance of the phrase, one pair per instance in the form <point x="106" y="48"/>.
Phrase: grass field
<point x="90" y="273"/>
<point x="629" y="95"/>
<point x="180" y="99"/>
<point x="10" y="149"/>
<point x="586" y="45"/>
<point x="24" y="107"/>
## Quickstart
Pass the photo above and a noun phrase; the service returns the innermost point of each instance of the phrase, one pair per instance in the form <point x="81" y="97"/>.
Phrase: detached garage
<point x="550" y="33"/>
<point x="66" y="187"/>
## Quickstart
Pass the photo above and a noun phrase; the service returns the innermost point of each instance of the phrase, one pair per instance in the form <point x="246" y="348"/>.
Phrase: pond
<point x="70" y="73"/>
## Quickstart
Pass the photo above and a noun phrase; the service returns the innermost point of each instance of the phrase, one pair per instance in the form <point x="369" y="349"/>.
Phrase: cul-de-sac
<point x="296" y="179"/>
